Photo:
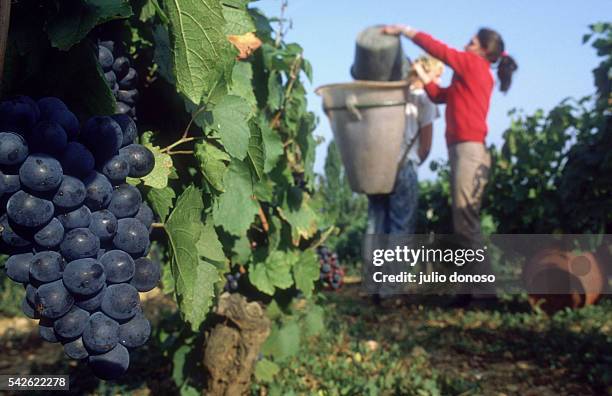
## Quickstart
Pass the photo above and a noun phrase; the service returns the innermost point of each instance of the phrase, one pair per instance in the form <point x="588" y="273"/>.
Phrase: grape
<point x="50" y="235"/>
<point x="46" y="330"/>
<point x="118" y="266"/>
<point x="121" y="301"/>
<point x="28" y="211"/>
<point x="146" y="275"/>
<point x="123" y="108"/>
<point x="145" y="215"/>
<point x="129" y="97"/>
<point x="46" y="266"/>
<point x="11" y="184"/>
<point x="31" y="294"/>
<point x="325" y="268"/>
<point x="53" y="300"/>
<point x="79" y="243"/>
<point x="13" y="148"/>
<point x="41" y="172"/>
<point x="116" y="169"/>
<point x="135" y="332"/>
<point x="72" y="324"/>
<point x="109" y="44"/>
<point x="140" y="158"/>
<point x="77" y="160"/>
<point x="90" y="303"/>
<point x="125" y="201"/>
<point x="112" y="364"/>
<point x="128" y="127"/>
<point x="50" y="105"/>
<point x="9" y="236"/>
<point x="78" y="218"/>
<point x="111" y="78"/>
<point x="18" y="115"/>
<point x="103" y="136"/>
<point x="132" y="236"/>
<point x="99" y="191"/>
<point x="130" y="80"/>
<point x="100" y="333"/>
<point x="67" y="120"/>
<point x="18" y="267"/>
<point x="70" y="194"/>
<point x="105" y="57"/>
<point x="84" y="276"/>
<point x="121" y="66"/>
<point x="48" y="137"/>
<point x="103" y="224"/>
<point x="28" y="309"/>
<point x="75" y="349"/>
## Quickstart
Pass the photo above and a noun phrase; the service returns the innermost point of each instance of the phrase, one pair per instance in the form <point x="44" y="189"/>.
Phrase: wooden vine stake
<point x="5" y="17"/>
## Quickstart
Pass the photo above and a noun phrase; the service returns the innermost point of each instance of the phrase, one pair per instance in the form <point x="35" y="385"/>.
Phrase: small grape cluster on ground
<point x="231" y="283"/>
<point x="77" y="234"/>
<point x="121" y="77"/>
<point x="332" y="274"/>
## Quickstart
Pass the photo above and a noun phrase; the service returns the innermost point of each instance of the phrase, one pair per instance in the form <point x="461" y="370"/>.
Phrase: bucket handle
<point x="351" y="106"/>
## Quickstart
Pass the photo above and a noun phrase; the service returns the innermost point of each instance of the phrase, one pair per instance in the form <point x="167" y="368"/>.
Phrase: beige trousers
<point x="470" y="164"/>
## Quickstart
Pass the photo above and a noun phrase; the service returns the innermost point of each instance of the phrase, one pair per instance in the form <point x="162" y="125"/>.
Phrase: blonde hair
<point x="429" y="63"/>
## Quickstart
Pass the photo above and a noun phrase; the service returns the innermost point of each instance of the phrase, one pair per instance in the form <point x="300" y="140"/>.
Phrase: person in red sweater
<point x="467" y="105"/>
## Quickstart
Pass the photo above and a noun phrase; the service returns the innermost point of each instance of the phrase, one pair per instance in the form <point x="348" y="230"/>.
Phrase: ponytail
<point x="506" y="66"/>
<point x="493" y="45"/>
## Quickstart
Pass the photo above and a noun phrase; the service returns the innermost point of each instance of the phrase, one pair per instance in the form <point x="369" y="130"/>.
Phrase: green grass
<point x="428" y="349"/>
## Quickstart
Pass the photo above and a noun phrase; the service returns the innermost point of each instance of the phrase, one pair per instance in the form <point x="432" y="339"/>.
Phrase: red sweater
<point x="467" y="97"/>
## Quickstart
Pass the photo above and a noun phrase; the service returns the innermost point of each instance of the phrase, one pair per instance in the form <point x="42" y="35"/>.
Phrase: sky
<point x="544" y="37"/>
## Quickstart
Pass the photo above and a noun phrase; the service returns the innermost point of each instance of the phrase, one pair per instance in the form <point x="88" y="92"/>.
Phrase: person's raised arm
<point x="436" y="93"/>
<point x="455" y="59"/>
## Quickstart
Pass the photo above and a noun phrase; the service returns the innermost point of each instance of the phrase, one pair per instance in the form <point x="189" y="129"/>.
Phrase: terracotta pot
<point x="560" y="279"/>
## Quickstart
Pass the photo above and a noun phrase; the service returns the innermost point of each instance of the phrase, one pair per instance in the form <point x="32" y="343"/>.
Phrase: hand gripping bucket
<point x="368" y="121"/>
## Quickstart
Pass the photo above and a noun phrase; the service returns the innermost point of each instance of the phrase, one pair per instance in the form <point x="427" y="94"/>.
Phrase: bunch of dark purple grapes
<point x="76" y="234"/>
<point x="120" y="76"/>
<point x="231" y="283"/>
<point x="331" y="273"/>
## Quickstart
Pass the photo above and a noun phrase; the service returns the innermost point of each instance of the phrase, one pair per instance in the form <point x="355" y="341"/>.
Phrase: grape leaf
<point x="275" y="92"/>
<point x="194" y="279"/>
<point x="306" y="271"/>
<point x="256" y="153"/>
<point x="242" y="84"/>
<point x="314" y="322"/>
<point x="283" y="342"/>
<point x="246" y="44"/>
<point x="209" y="245"/>
<point x="275" y="271"/>
<point x="265" y="370"/>
<point x="235" y="208"/>
<point x="273" y="145"/>
<point x="202" y="54"/>
<point x="161" y="201"/>
<point x="158" y="178"/>
<point x="230" y="119"/>
<point x="238" y="20"/>
<point x="75" y="19"/>
<point x="92" y="96"/>
<point x="212" y="164"/>
<point x="300" y="216"/>
<point x="162" y="54"/>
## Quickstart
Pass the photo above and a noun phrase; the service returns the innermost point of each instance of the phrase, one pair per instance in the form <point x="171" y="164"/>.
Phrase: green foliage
<point x="202" y="56"/>
<point x="342" y="208"/>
